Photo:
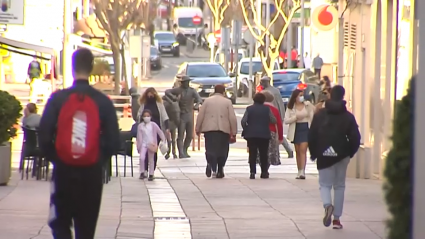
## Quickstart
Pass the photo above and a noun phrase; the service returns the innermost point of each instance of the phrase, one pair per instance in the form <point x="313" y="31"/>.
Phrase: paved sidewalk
<point x="183" y="203"/>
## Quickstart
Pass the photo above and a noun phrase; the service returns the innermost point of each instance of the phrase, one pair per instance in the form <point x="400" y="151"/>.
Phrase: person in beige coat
<point x="298" y="116"/>
<point x="217" y="121"/>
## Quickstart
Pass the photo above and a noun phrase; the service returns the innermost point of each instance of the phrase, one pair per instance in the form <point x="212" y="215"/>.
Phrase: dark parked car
<point x="166" y="43"/>
<point x="155" y="60"/>
<point x="205" y="76"/>
<point x="287" y="80"/>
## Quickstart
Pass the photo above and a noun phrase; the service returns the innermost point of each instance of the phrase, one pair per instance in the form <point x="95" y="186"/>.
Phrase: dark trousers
<point x="216" y="149"/>
<point x="75" y="198"/>
<point x="318" y="72"/>
<point x="155" y="157"/>
<point x="258" y="145"/>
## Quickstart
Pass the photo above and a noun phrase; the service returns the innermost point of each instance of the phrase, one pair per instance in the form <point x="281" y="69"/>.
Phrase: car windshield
<point x="154" y="51"/>
<point x="165" y="37"/>
<point x="187" y="22"/>
<point x="206" y="71"/>
<point x="286" y="76"/>
<point x="256" y="67"/>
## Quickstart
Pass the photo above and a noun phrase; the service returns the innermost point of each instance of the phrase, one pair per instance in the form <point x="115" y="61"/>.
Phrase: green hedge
<point x="398" y="186"/>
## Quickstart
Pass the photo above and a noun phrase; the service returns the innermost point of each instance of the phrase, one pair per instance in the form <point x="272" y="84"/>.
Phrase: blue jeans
<point x="334" y="176"/>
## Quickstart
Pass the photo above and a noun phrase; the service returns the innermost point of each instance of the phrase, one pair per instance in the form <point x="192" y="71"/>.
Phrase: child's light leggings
<point x="142" y="157"/>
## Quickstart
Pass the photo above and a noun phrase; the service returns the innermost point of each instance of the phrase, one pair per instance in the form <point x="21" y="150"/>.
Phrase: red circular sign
<point x="325" y="17"/>
<point x="196" y="20"/>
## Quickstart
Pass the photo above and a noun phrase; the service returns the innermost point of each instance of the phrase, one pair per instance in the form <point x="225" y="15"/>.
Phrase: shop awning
<point x="17" y="47"/>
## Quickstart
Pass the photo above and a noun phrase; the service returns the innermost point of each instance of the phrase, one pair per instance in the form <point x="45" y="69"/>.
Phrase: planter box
<point x="5" y="163"/>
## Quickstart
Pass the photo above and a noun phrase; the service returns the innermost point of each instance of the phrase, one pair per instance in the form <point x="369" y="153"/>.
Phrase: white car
<point x="243" y="74"/>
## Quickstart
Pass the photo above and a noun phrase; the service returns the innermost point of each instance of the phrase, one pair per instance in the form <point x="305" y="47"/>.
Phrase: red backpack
<point x="78" y="131"/>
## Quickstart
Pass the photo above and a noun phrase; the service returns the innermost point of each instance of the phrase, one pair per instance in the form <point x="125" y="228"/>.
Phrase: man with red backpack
<point x="78" y="133"/>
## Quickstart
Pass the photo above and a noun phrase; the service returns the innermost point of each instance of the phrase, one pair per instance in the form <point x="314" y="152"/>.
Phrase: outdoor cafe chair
<point x="32" y="154"/>
<point x="126" y="150"/>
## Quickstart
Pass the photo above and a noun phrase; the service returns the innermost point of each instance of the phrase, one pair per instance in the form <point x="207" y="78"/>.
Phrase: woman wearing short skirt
<point x="299" y="116"/>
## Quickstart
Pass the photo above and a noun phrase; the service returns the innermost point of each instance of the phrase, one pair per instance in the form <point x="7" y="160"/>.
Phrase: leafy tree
<point x="117" y="16"/>
<point x="398" y="186"/>
<point x="274" y="31"/>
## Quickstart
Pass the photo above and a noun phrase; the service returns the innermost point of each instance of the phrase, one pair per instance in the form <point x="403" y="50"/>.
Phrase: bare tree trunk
<point x="117" y="76"/>
<point x="124" y="70"/>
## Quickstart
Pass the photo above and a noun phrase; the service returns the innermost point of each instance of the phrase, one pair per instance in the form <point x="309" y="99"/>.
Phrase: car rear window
<point x="215" y="70"/>
<point x="286" y="76"/>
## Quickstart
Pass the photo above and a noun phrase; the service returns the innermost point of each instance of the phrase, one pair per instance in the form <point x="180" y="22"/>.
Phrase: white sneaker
<point x="298" y="175"/>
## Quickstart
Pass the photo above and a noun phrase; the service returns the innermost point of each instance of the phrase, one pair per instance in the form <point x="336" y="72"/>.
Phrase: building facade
<point x="378" y="64"/>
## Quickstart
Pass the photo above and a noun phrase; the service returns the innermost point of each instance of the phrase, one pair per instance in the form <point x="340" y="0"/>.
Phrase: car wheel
<point x="176" y="54"/>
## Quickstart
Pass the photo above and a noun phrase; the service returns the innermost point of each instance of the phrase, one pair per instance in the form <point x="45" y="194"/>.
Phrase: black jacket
<point x="110" y="137"/>
<point x="255" y="122"/>
<point x="334" y="134"/>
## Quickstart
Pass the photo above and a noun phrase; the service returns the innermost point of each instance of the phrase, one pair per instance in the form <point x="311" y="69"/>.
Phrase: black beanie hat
<point x="337" y="92"/>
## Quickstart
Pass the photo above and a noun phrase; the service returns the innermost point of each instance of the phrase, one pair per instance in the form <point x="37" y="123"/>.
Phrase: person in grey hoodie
<point x="31" y="119"/>
<point x="317" y="65"/>
<point x="278" y="103"/>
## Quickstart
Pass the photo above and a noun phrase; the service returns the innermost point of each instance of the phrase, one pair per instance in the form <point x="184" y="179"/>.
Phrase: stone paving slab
<point x="183" y="203"/>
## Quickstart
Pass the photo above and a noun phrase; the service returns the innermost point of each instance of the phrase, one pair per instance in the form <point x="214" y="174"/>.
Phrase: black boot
<point x="264" y="175"/>
<point x="220" y="173"/>
<point x="252" y="176"/>
<point x="208" y="171"/>
<point x="175" y="156"/>
<point x="167" y="156"/>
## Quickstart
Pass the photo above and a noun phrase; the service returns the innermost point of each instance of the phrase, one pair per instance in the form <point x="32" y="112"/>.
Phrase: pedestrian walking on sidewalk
<point x="34" y="79"/>
<point x="150" y="100"/>
<point x="276" y="131"/>
<point x="299" y="115"/>
<point x="278" y="103"/>
<point x="324" y="96"/>
<point x="217" y="121"/>
<point x="148" y="133"/>
<point x="78" y="133"/>
<point x="255" y="123"/>
<point x="334" y="138"/>
<point x="317" y="65"/>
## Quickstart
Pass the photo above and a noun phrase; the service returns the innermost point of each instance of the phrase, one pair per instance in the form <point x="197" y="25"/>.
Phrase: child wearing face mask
<point x="147" y="136"/>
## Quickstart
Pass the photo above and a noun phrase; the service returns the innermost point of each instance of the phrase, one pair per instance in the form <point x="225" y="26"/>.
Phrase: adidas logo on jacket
<point x="333" y="135"/>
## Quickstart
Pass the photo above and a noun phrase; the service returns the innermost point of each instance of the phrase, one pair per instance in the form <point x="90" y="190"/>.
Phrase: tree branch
<point x="250" y="27"/>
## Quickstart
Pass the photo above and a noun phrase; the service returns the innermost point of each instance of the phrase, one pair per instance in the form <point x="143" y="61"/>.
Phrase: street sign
<point x="12" y="13"/>
<point x="196" y="20"/>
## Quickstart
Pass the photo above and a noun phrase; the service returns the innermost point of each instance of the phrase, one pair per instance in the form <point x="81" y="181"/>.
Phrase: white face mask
<point x="301" y="99"/>
<point x="147" y="119"/>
